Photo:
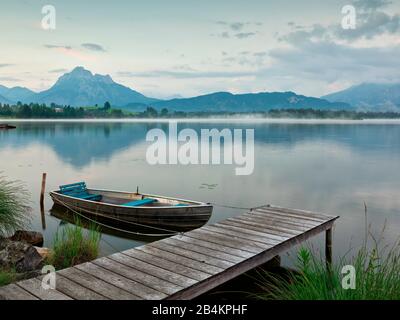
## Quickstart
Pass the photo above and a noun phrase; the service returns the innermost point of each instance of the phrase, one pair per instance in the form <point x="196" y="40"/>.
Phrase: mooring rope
<point x="170" y="232"/>
<point x="233" y="207"/>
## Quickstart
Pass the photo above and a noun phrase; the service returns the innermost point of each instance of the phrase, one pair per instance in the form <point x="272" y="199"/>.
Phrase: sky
<point x="186" y="48"/>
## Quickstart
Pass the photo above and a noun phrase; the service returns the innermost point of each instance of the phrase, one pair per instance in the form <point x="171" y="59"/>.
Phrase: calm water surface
<point x="327" y="167"/>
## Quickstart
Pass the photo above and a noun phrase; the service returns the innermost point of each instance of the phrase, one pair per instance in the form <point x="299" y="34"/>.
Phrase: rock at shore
<point x="19" y="255"/>
<point x="31" y="237"/>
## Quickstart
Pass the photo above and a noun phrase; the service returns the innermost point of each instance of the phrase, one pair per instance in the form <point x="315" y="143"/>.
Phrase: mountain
<point x="4" y="99"/>
<point x="16" y="94"/>
<point x="228" y="102"/>
<point x="82" y="88"/>
<point x="373" y="96"/>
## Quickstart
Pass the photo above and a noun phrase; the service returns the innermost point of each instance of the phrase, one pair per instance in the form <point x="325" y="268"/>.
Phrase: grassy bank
<point x="73" y="245"/>
<point x="14" y="207"/>
<point x="377" y="277"/>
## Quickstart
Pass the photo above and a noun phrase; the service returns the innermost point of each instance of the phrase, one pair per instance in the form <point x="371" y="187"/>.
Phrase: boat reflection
<point x="108" y="226"/>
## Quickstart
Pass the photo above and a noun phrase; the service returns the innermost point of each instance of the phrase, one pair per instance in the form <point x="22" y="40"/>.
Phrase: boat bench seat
<point x="138" y="203"/>
<point x="79" y="190"/>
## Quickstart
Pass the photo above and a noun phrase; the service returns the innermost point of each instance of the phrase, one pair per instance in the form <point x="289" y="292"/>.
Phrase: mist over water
<point x="326" y="167"/>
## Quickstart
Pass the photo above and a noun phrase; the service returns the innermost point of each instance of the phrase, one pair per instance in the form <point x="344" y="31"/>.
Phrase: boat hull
<point x="169" y="218"/>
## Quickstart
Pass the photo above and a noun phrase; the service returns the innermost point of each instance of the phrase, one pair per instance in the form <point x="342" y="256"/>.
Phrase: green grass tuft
<point x="7" y="277"/>
<point x="73" y="245"/>
<point x="14" y="207"/>
<point x="377" y="277"/>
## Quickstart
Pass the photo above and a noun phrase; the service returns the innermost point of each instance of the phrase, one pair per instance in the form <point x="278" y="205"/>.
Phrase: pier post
<point x="43" y="189"/>
<point x="328" y="248"/>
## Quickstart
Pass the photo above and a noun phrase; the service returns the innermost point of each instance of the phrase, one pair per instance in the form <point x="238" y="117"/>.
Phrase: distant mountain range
<point x="370" y="96"/>
<point x="82" y="88"/>
<point x="250" y="102"/>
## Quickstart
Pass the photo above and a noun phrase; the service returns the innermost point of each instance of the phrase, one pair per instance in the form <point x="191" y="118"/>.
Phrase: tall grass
<point x="14" y="207"/>
<point x="377" y="271"/>
<point x="7" y="277"/>
<point x="74" y="245"/>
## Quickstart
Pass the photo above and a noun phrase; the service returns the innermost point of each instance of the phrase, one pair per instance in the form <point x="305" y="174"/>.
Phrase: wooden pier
<point x="186" y="265"/>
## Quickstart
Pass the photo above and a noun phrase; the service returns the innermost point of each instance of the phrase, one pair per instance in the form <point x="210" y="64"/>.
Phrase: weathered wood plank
<point x="204" y="267"/>
<point x="277" y="223"/>
<point x="13" y="292"/>
<point x="225" y="240"/>
<point x="245" y="231"/>
<point x="203" y="250"/>
<point x="280" y="230"/>
<point x="93" y="283"/>
<point x="286" y="219"/>
<point x="306" y="213"/>
<point x="192" y="255"/>
<point x="156" y="271"/>
<point x="263" y="242"/>
<point x="217" y="248"/>
<point x="292" y="215"/>
<point x="149" y="287"/>
<point x="166" y="264"/>
<point x="34" y="286"/>
<point x="281" y="236"/>
<point x="75" y="290"/>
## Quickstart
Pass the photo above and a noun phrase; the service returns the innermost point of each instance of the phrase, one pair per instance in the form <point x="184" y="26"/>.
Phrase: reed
<point x="14" y="207"/>
<point x="377" y="270"/>
<point x="73" y="245"/>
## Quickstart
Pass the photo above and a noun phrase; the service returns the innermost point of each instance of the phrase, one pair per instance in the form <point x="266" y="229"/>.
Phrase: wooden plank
<point x="257" y="260"/>
<point x="225" y="240"/>
<point x="279" y="235"/>
<point x="223" y="264"/>
<point x="260" y="241"/>
<point x="149" y="287"/>
<point x="156" y="271"/>
<point x="34" y="286"/>
<point x="206" y="268"/>
<point x="75" y="290"/>
<point x="282" y="219"/>
<point x="292" y="215"/>
<point x="217" y="248"/>
<point x="208" y="252"/>
<point x="278" y="223"/>
<point x="242" y="228"/>
<point x="95" y="284"/>
<point x="166" y="264"/>
<point x="285" y="218"/>
<point x="13" y="292"/>
<point x="270" y="227"/>
<point x="322" y="217"/>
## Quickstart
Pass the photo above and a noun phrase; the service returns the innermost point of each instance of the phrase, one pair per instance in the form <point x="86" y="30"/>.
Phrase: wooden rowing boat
<point x="133" y="207"/>
<point x="6" y="126"/>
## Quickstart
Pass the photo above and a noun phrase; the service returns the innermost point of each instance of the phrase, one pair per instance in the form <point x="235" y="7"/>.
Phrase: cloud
<point x="371" y="22"/>
<point x="93" y="47"/>
<point x="58" y="70"/>
<point x="244" y="35"/>
<point x="9" y="79"/>
<point x="51" y="46"/>
<point x="185" y="74"/>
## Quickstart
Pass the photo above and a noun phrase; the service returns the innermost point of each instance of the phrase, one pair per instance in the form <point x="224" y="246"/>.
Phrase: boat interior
<point x="126" y="199"/>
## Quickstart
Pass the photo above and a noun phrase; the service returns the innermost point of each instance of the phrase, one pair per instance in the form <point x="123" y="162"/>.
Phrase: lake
<point x="325" y="166"/>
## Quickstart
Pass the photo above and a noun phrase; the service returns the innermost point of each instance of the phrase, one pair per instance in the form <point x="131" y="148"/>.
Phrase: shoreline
<point x="207" y="120"/>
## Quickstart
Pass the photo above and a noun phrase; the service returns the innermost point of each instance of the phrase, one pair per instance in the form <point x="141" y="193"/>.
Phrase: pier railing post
<point x="328" y="248"/>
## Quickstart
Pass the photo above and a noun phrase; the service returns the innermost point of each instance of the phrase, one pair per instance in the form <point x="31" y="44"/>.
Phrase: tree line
<point x="42" y="111"/>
